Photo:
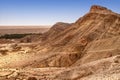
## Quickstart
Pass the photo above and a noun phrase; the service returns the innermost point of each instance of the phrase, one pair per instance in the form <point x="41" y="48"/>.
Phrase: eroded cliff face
<point x="92" y="37"/>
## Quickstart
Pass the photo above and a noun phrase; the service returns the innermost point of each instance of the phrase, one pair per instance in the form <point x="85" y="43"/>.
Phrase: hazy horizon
<point x="47" y="12"/>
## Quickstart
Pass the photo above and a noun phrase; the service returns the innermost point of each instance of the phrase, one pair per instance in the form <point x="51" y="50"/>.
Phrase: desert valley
<point x="88" y="49"/>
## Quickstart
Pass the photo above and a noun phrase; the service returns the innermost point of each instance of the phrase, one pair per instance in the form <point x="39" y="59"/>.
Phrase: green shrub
<point x="14" y="36"/>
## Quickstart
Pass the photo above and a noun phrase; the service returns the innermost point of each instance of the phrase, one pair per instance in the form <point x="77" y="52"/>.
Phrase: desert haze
<point x="88" y="49"/>
<point x="23" y="29"/>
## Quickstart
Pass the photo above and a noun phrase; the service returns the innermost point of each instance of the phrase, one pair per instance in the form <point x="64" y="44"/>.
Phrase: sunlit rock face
<point x="100" y="9"/>
<point x="96" y="33"/>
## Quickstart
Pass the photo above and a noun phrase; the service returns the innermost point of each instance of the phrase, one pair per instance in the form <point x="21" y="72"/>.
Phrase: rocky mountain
<point x="88" y="49"/>
<point x="96" y="33"/>
<point x="91" y="41"/>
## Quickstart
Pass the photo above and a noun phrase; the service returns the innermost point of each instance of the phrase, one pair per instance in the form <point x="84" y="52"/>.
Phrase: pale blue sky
<point x="48" y="12"/>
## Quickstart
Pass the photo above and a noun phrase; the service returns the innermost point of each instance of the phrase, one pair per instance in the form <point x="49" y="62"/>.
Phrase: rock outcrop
<point x="100" y="9"/>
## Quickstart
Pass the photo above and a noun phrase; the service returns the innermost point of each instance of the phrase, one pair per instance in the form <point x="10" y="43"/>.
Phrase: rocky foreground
<point x="88" y="49"/>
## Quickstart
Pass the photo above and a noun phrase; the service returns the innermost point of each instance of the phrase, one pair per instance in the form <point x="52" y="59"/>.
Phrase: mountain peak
<point x="99" y="9"/>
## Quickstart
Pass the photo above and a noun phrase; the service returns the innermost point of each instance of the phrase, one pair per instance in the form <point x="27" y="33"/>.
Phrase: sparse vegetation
<point x="15" y="36"/>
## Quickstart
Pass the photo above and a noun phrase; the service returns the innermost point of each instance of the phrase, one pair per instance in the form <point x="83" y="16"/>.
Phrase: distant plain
<point x="23" y="29"/>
